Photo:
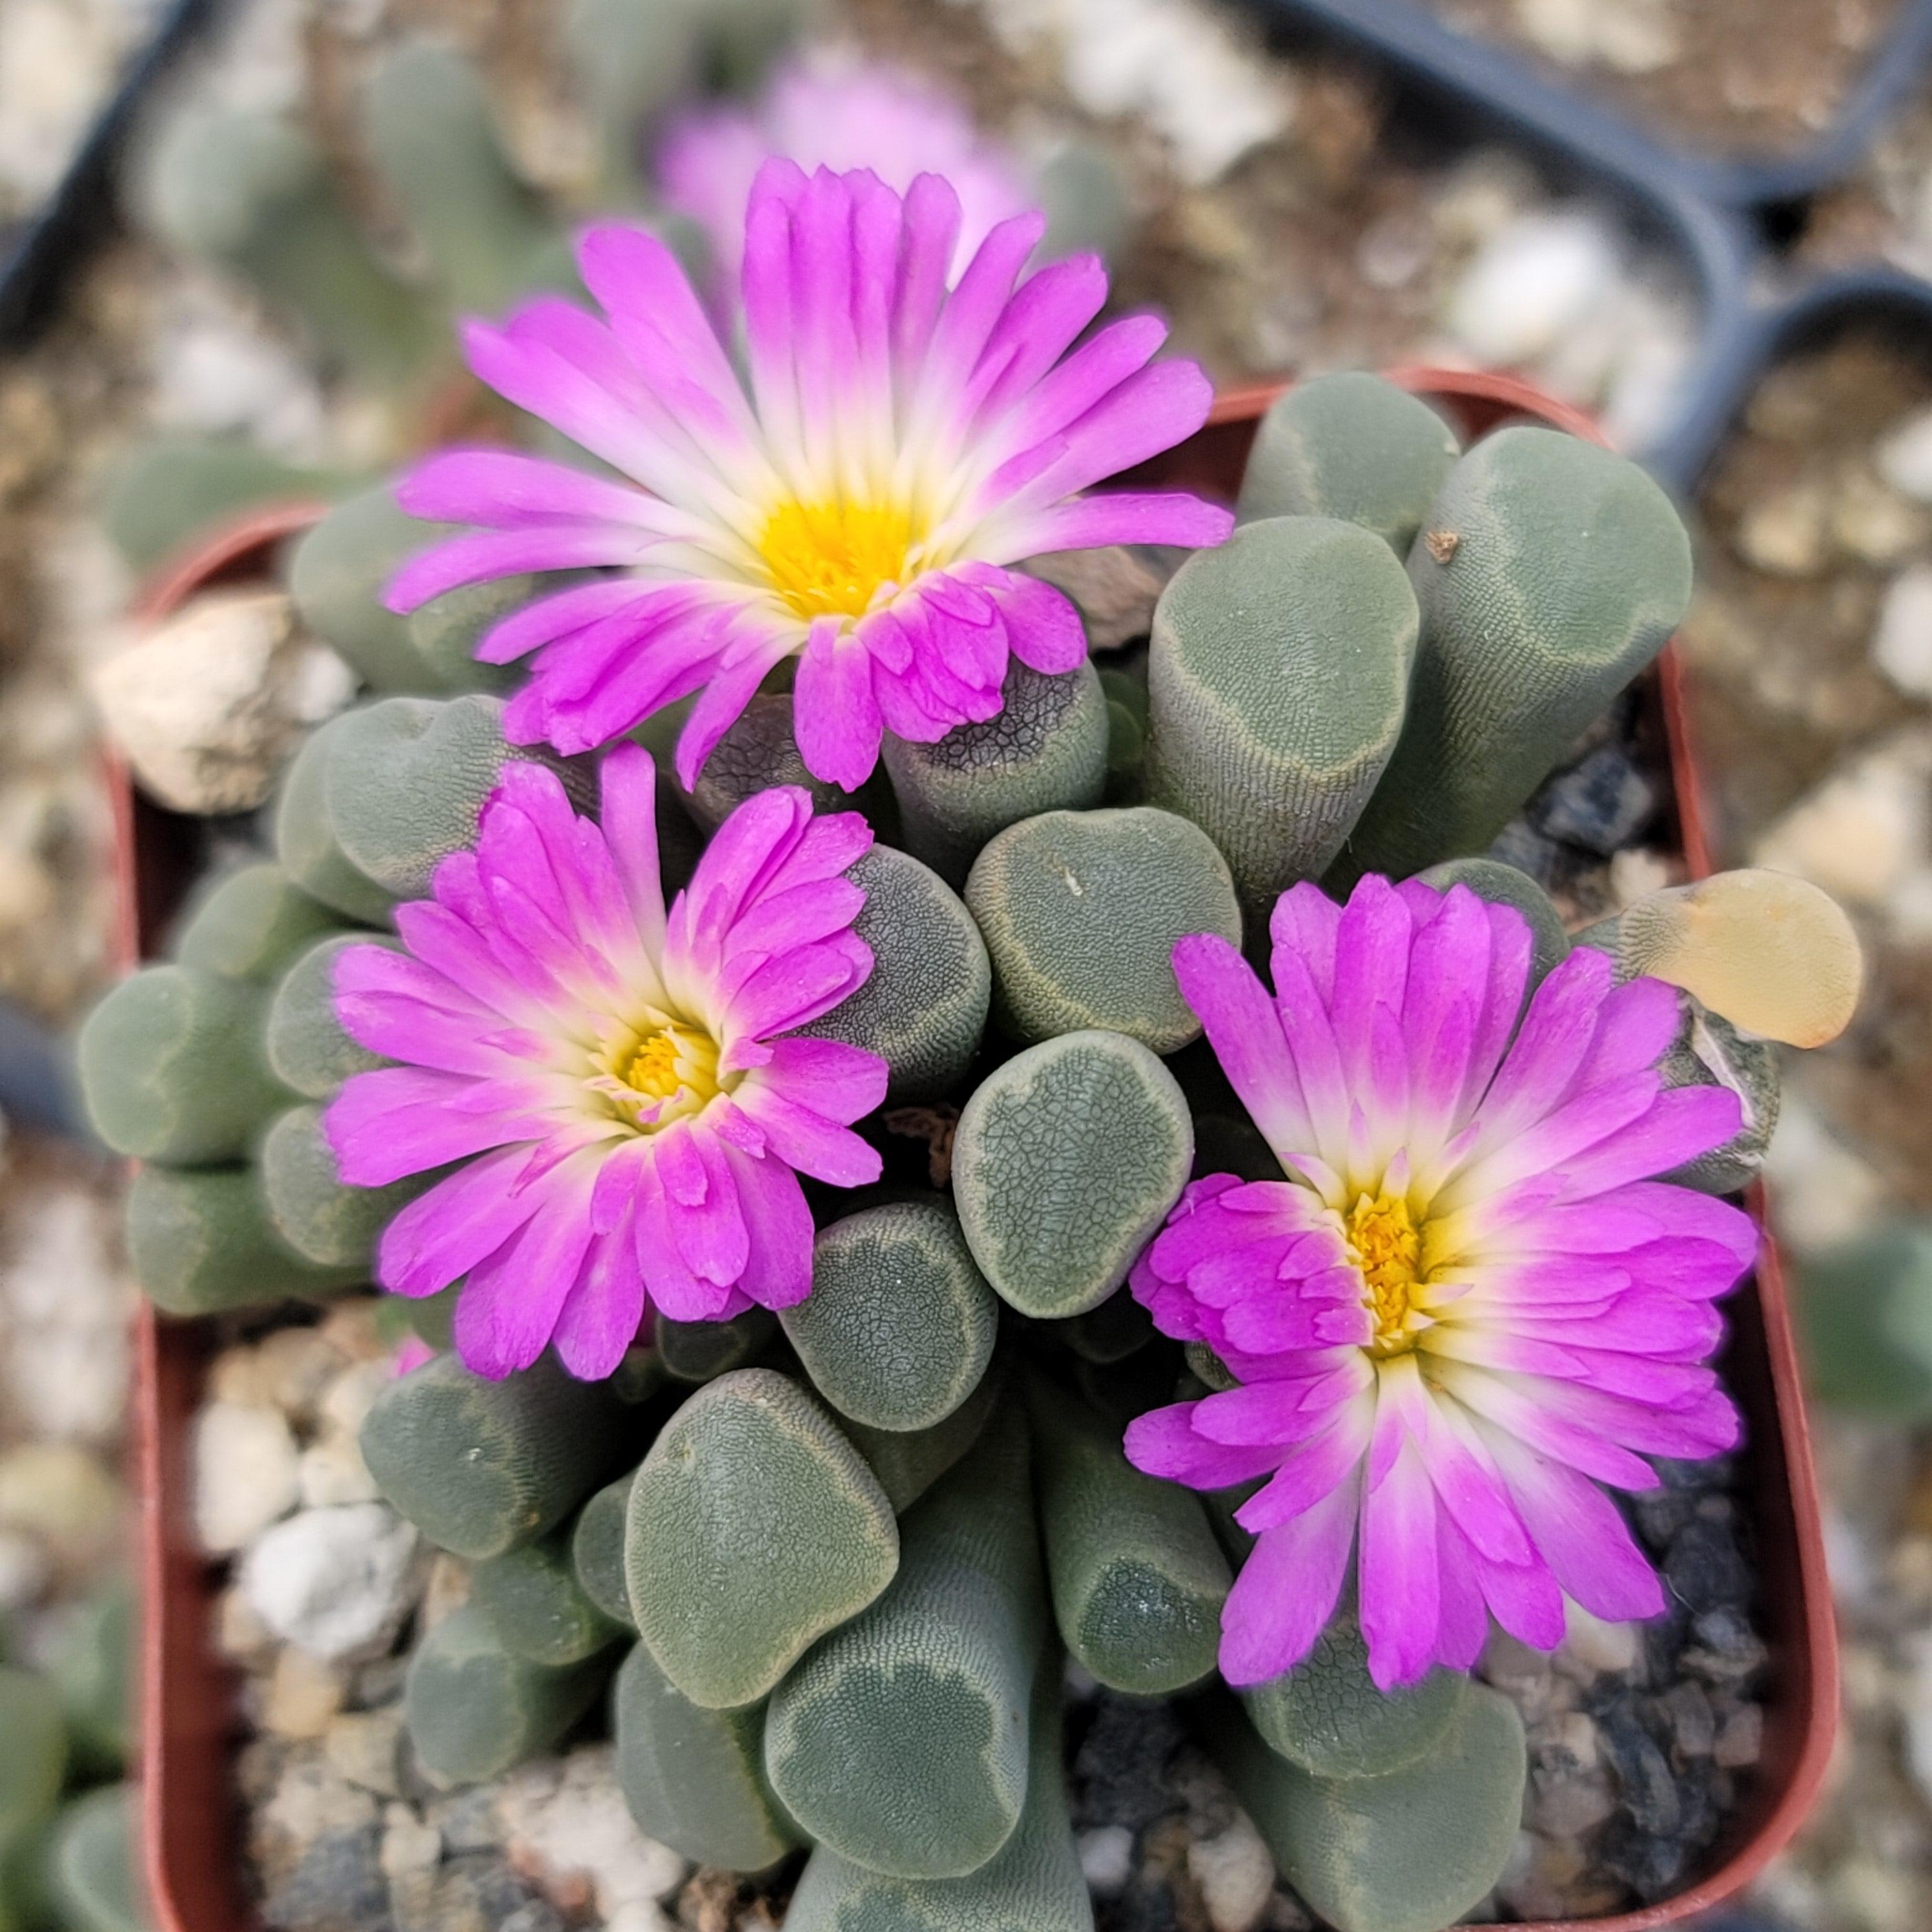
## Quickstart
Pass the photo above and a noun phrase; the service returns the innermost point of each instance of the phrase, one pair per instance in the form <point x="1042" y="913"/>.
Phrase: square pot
<point x="188" y="1727"/>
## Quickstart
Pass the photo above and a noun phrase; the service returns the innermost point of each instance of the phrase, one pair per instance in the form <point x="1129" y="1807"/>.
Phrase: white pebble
<point x="577" y="1825"/>
<point x="337" y="1581"/>
<point x="245" y="1474"/>
<point x="1532" y="282"/>
<point x="1905" y="457"/>
<point x="1107" y="1858"/>
<point x="1902" y="645"/>
<point x="209" y="705"/>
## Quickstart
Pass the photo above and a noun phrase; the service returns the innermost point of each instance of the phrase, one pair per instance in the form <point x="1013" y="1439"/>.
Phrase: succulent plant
<point x="1067" y="1158"/>
<point x="899" y="1326"/>
<point x="834" y="1483"/>
<point x="1080" y="910"/>
<point x="481" y="1468"/>
<point x="1549" y="573"/>
<point x="1351" y="447"/>
<point x="1045" y="750"/>
<point x="901" y="1741"/>
<point x="1277" y="685"/>
<point x="694" y="1776"/>
<point x="1408" y="1850"/>
<point x="474" y="1707"/>
<point x="754" y="1527"/>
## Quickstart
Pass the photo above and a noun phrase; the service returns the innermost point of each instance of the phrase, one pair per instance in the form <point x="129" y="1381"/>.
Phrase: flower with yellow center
<point x="1468" y="1302"/>
<point x="619" y="1088"/>
<point x="905" y="433"/>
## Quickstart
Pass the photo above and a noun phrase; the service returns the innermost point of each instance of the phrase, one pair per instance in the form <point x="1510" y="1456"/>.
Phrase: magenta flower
<point x="620" y="1088"/>
<point x="902" y="446"/>
<point x="1467" y="1305"/>
<point x="835" y="112"/>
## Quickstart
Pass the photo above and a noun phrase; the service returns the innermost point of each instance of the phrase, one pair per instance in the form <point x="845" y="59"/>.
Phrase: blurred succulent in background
<point x="829" y="111"/>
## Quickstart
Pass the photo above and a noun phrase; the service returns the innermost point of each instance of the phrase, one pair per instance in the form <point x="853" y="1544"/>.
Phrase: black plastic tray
<point x="40" y="259"/>
<point x="1516" y="91"/>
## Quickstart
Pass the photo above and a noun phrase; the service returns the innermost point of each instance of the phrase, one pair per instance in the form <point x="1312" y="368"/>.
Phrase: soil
<point x="1783" y="692"/>
<point x="1744" y="79"/>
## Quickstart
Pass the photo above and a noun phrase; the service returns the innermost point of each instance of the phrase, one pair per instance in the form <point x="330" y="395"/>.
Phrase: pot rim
<point x="173" y="1575"/>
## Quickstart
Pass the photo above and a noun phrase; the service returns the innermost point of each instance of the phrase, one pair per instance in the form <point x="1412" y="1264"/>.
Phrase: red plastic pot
<point x="188" y="1724"/>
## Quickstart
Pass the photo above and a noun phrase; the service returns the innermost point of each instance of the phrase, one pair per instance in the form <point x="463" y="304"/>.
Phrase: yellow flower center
<point x="834" y="557"/>
<point x="659" y="1072"/>
<point x="1387" y="1246"/>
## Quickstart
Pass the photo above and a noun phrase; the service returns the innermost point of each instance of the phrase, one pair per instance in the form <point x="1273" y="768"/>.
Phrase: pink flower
<point x="627" y="1115"/>
<point x="830" y="112"/>
<point x="1467" y="1305"/>
<point x="902" y="446"/>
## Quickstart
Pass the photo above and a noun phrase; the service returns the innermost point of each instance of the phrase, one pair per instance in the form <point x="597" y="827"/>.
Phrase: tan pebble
<point x="240" y="1634"/>
<point x="447" y="1588"/>
<point x="351" y="1327"/>
<point x="302" y="1696"/>
<point x="1740" y="1737"/>
<point x="297" y="1365"/>
<point x="351" y="1394"/>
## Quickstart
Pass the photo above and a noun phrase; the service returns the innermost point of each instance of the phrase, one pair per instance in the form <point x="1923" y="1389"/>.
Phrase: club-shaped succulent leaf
<point x="901" y="1741"/>
<point x="406" y="780"/>
<point x="172" y="1067"/>
<point x="908" y="1462"/>
<point x="255" y="193"/>
<point x="1549" y="573"/>
<point x="35" y="1761"/>
<point x="1119" y="1327"/>
<point x="597" y="1550"/>
<point x="1045" y="750"/>
<point x="1033" y="1884"/>
<point x="1489" y="879"/>
<point x="694" y="1777"/>
<point x="1327" y="1716"/>
<point x="923" y="1008"/>
<point x="336" y="574"/>
<point x="323" y="1218"/>
<point x="900" y="1323"/>
<point x="754" y="1527"/>
<point x="1770" y="954"/>
<point x="307" y="1051"/>
<point x="1352" y="447"/>
<point x="92" y="1667"/>
<point x="1137" y="1577"/>
<point x="250" y="924"/>
<point x="480" y="1467"/>
<point x="537" y="1607"/>
<point x="700" y="1351"/>
<point x="173" y="487"/>
<point x="1709" y="1052"/>
<point x="1080" y="910"/>
<point x="758" y="752"/>
<point x="1410" y="1851"/>
<point x="199" y="1239"/>
<point x="306" y="844"/>
<point x="427" y="120"/>
<point x="1276" y="683"/>
<point x="93" y="1864"/>
<point x="1865" y="1311"/>
<point x="474" y="1708"/>
<point x="1067" y="1159"/>
<point x="444" y="633"/>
